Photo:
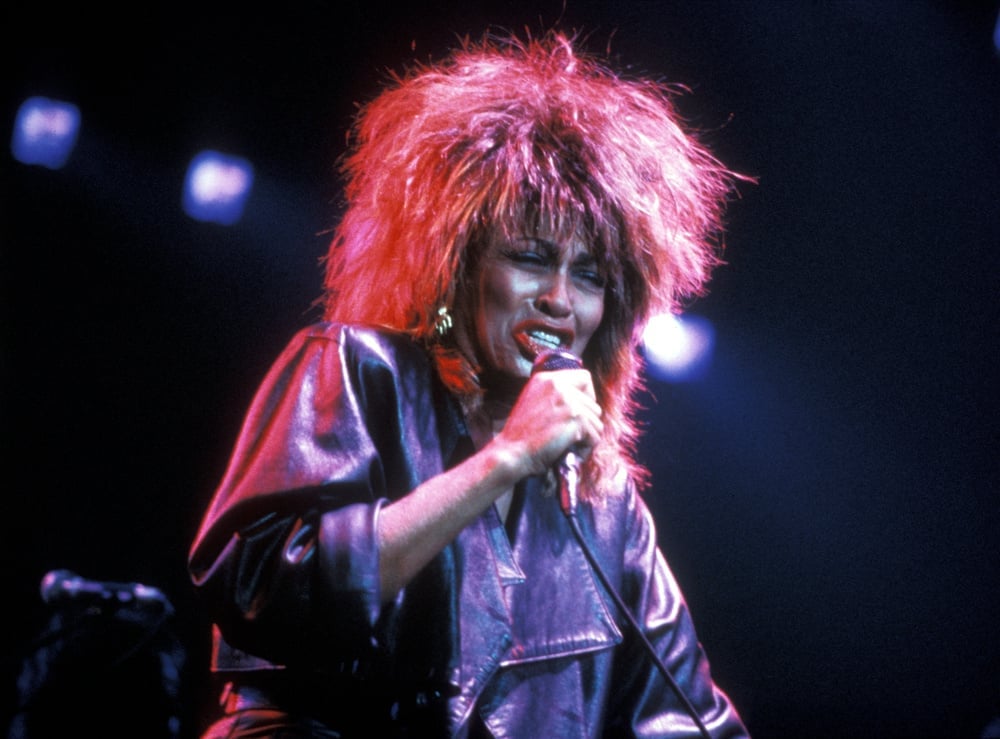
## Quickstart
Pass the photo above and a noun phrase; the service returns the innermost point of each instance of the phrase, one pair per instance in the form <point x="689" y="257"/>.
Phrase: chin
<point x="522" y="367"/>
<point x="505" y="381"/>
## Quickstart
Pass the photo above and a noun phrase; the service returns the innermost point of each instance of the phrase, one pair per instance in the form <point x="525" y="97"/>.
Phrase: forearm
<point x="412" y="530"/>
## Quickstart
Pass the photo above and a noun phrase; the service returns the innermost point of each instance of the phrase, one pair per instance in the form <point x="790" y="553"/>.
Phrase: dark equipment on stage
<point x="107" y="664"/>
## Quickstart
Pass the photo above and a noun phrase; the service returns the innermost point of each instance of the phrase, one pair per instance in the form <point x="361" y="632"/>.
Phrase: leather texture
<point x="509" y="634"/>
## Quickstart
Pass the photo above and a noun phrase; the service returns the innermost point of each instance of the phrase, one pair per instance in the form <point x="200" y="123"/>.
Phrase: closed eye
<point x="591" y="276"/>
<point x="540" y="254"/>
<point x="527" y="256"/>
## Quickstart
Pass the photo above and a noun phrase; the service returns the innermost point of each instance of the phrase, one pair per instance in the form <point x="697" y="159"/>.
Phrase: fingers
<point x="575" y="389"/>
<point x="573" y="393"/>
<point x="556" y="411"/>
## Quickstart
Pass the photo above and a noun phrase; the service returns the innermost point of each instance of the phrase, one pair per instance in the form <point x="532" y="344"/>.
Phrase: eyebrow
<point x="585" y="258"/>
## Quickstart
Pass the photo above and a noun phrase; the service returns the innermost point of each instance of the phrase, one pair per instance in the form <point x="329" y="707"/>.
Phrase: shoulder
<point x="381" y="364"/>
<point x="361" y="343"/>
<point x="387" y="373"/>
<point x="355" y="334"/>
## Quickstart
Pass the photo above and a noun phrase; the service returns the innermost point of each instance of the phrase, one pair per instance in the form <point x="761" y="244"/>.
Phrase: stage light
<point x="996" y="34"/>
<point x="45" y="132"/>
<point x="678" y="347"/>
<point x="217" y="187"/>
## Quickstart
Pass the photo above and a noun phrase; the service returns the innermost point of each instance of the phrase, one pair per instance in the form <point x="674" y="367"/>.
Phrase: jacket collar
<point x="507" y="595"/>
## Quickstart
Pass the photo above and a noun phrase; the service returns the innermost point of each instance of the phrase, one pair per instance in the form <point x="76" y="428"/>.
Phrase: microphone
<point x="568" y="467"/>
<point x="63" y="586"/>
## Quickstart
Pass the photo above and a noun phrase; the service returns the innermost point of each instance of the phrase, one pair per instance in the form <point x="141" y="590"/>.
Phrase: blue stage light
<point x="45" y="132"/>
<point x="217" y="187"/>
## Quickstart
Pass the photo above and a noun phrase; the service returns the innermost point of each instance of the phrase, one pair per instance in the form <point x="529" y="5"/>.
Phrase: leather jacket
<point x="511" y="631"/>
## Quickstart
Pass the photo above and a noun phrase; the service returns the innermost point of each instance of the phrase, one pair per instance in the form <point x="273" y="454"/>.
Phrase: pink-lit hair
<point x="508" y="134"/>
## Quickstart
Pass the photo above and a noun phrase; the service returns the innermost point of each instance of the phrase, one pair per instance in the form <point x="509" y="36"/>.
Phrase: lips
<point x="532" y="340"/>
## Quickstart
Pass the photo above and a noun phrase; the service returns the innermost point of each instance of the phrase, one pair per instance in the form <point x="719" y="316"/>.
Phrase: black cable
<point x="575" y="525"/>
<point x="568" y="469"/>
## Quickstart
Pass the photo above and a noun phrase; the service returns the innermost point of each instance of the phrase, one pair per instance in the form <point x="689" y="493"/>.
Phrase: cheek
<point x="500" y="295"/>
<point x="490" y="311"/>
<point x="593" y="314"/>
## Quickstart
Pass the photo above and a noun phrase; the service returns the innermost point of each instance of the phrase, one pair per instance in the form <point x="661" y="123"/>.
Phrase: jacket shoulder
<point x="366" y="342"/>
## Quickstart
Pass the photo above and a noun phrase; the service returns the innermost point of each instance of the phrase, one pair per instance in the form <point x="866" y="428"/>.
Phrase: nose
<point x="554" y="297"/>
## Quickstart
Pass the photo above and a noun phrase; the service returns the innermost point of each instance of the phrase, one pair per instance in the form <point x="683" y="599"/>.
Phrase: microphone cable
<point x="578" y="533"/>
<point x="569" y="472"/>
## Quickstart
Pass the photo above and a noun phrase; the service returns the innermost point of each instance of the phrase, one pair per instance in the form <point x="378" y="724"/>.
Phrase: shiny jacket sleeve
<point x="643" y="703"/>
<point x="286" y="560"/>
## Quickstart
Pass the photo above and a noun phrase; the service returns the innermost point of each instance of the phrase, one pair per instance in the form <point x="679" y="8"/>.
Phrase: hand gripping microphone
<point x="568" y="467"/>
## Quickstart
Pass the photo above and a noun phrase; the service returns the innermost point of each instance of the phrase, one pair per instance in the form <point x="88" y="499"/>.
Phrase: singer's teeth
<point x="547" y="340"/>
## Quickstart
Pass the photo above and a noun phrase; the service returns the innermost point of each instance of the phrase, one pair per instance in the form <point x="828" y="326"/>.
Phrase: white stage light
<point x="45" y="132"/>
<point x="217" y="187"/>
<point x="678" y="347"/>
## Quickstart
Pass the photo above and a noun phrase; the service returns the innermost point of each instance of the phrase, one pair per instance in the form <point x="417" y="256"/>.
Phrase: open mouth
<point x="536" y="341"/>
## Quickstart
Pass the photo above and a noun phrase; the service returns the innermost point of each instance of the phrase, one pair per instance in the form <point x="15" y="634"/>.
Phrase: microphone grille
<point x="555" y="359"/>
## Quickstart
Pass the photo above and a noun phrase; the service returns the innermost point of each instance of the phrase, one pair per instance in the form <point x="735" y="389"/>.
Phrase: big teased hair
<point x="505" y="134"/>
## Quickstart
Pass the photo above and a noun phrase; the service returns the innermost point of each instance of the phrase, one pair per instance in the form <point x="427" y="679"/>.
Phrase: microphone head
<point x="55" y="583"/>
<point x="555" y="359"/>
<point x="65" y="587"/>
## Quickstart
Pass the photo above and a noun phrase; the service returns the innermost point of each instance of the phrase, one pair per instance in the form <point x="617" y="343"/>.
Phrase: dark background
<point x="826" y="493"/>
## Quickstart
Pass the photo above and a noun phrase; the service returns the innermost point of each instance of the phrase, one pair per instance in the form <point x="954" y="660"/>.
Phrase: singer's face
<point x="531" y="293"/>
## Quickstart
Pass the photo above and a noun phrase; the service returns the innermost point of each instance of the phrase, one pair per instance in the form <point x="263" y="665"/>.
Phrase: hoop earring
<point x="443" y="322"/>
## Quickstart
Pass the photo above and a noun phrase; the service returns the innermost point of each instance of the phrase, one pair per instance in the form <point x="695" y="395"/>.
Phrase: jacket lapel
<point x="558" y="609"/>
